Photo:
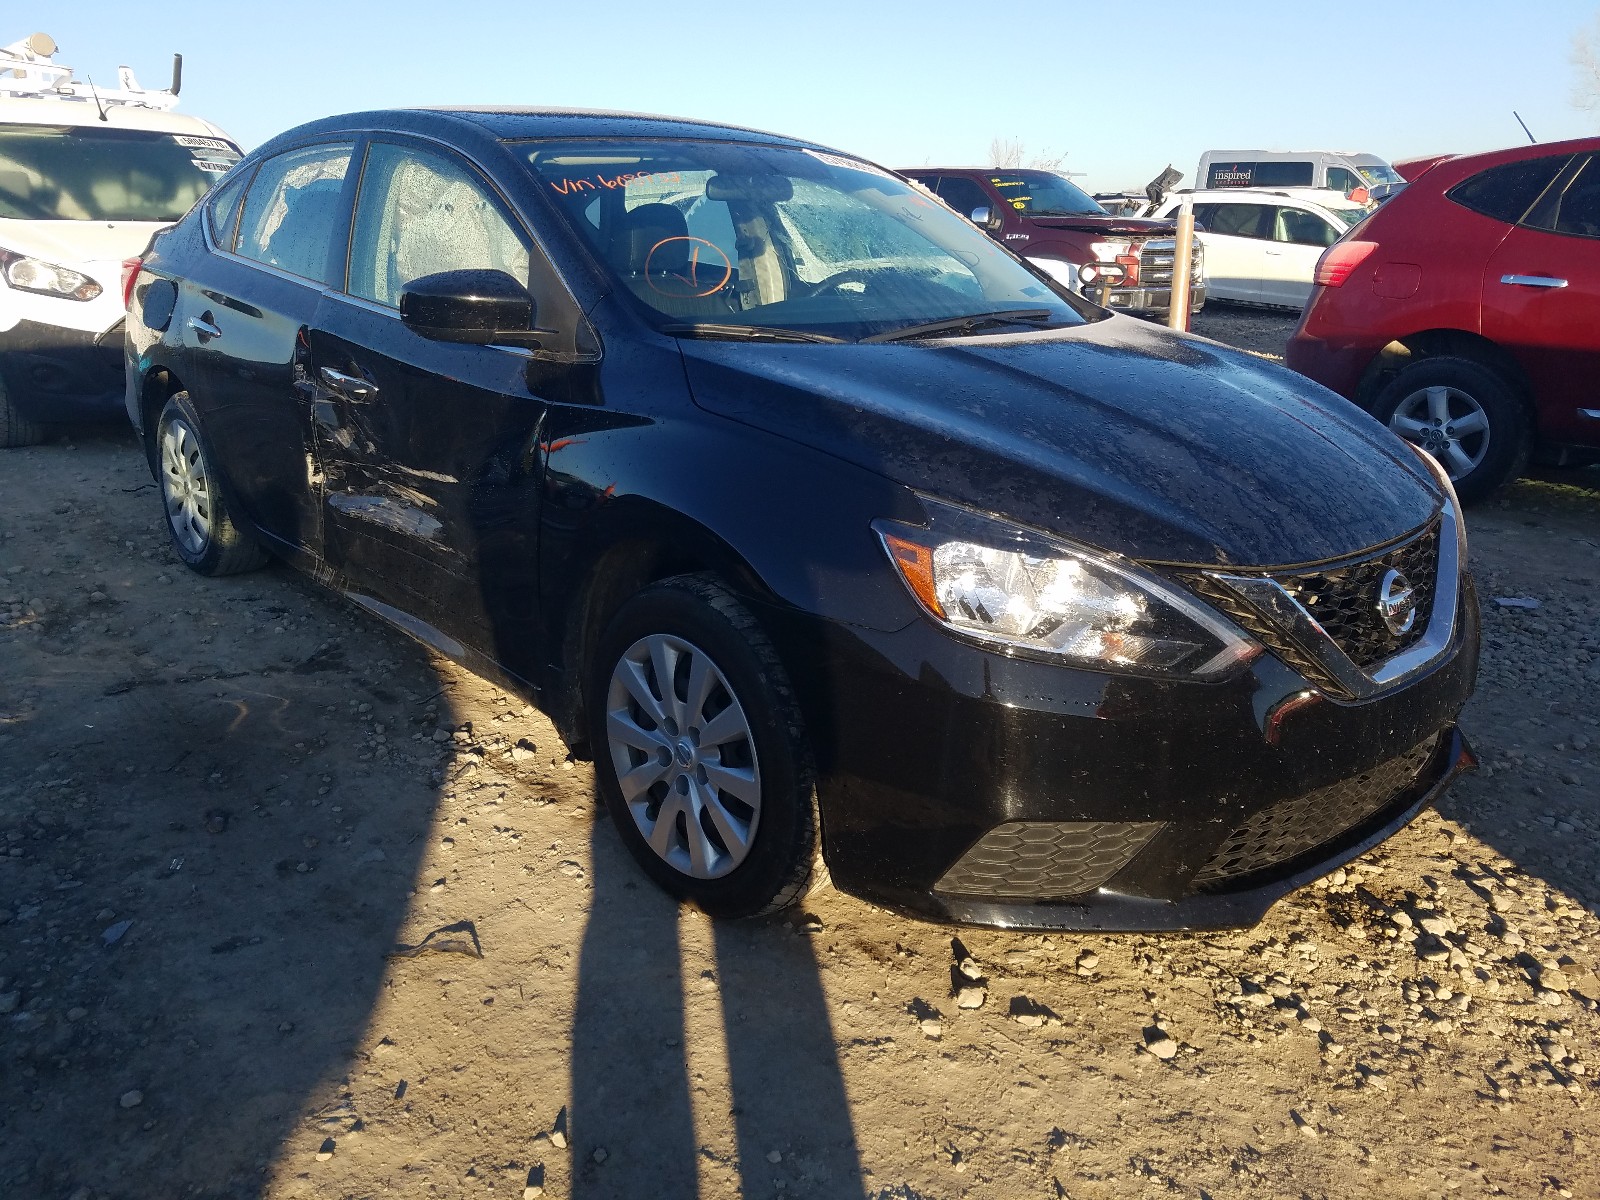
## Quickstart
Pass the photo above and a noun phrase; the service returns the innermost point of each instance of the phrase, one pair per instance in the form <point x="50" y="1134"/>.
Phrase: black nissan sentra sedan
<point x="820" y="521"/>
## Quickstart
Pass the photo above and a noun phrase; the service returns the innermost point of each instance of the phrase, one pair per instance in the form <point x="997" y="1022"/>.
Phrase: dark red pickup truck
<point x="1058" y="227"/>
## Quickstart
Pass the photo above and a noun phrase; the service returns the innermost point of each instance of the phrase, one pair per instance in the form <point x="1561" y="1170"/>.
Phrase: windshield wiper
<point x="749" y="333"/>
<point x="968" y="324"/>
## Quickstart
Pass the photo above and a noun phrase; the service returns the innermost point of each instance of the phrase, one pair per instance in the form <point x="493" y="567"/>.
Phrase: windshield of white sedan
<point x="75" y="173"/>
<point x="730" y="239"/>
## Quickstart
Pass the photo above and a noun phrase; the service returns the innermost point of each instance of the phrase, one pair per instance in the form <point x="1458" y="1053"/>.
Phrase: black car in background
<point x="813" y="515"/>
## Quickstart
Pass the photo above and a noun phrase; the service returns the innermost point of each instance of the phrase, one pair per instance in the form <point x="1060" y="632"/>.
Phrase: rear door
<point x="428" y="447"/>
<point x="241" y="316"/>
<point x="1236" y="238"/>
<point x="1541" y="300"/>
<point x="1298" y="239"/>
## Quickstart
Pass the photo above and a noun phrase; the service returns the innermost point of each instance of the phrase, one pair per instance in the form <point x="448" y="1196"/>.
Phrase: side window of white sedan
<point x="1303" y="228"/>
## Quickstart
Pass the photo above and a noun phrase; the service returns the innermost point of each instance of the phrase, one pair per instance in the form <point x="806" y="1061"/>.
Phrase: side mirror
<point x="477" y="307"/>
<point x="986" y="218"/>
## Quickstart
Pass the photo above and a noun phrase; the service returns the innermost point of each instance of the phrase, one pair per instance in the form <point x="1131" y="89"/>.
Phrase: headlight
<point x="1032" y="594"/>
<point x="1062" y="272"/>
<point x="1108" y="251"/>
<point x="47" y="279"/>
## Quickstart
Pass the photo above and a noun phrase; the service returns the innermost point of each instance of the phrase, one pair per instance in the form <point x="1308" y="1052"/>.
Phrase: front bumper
<point x="1149" y="300"/>
<point x="1337" y="366"/>
<point x="927" y="746"/>
<point x="53" y="374"/>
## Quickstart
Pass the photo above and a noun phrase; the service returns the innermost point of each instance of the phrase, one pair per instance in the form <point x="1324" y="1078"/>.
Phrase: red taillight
<point x="1339" y="260"/>
<point x="130" y="272"/>
<point x="1130" y="269"/>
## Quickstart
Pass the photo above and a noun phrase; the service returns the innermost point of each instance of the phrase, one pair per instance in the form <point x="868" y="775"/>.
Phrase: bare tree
<point x="1586" y="58"/>
<point x="1009" y="153"/>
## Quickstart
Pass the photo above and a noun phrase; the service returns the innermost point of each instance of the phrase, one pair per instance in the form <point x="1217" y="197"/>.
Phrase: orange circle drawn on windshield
<point x="688" y="274"/>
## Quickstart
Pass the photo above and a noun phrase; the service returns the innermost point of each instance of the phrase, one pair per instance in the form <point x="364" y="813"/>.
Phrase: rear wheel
<point x="16" y="429"/>
<point x="194" y="495"/>
<point x="1464" y="415"/>
<point x="701" y="755"/>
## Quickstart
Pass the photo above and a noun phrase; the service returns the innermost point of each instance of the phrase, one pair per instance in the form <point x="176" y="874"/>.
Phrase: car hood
<point x="1108" y="224"/>
<point x="1159" y="446"/>
<point x="79" y="243"/>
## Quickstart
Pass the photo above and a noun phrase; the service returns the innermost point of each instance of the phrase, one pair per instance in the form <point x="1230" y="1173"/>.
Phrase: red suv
<point x="1465" y="312"/>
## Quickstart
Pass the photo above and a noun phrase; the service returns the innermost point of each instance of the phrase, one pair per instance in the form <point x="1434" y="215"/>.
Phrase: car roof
<point x="1451" y="171"/>
<point x="24" y="110"/>
<point x="514" y="123"/>
<point x="1312" y="197"/>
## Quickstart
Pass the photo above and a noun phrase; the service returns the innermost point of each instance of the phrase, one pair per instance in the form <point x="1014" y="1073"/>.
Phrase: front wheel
<point x="701" y="756"/>
<point x="16" y="429"/>
<point x="193" y="493"/>
<point x="1464" y="415"/>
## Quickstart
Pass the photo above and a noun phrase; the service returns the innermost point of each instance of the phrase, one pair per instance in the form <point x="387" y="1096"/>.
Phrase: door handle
<point x="204" y="327"/>
<point x="1534" y="281"/>
<point x="350" y="385"/>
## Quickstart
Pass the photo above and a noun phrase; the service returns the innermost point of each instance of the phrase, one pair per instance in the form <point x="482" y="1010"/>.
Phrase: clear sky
<point x="1121" y="88"/>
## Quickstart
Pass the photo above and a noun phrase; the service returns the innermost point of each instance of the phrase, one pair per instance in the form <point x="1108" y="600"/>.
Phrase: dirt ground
<point x="290" y="907"/>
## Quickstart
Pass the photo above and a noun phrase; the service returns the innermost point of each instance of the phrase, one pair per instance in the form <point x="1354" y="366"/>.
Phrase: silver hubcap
<point x="1448" y="423"/>
<point x="684" y="756"/>
<point x="185" y="487"/>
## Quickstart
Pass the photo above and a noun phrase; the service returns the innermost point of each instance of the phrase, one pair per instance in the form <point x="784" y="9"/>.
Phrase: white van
<point x="1341" y="170"/>
<point x="87" y="176"/>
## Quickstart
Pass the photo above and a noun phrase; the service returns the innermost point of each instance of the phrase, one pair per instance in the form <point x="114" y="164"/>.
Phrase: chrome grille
<point x="1278" y="835"/>
<point x="1155" y="263"/>
<point x="1344" y="600"/>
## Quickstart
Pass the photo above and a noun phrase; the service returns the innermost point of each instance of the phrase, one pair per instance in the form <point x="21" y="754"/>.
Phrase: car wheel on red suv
<point x="1465" y="313"/>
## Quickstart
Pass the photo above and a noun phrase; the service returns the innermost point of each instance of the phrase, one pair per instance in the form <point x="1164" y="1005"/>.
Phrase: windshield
<point x="1375" y="173"/>
<point x="1350" y="216"/>
<point x="1044" y="194"/>
<point x="71" y="173"/>
<point x="731" y="237"/>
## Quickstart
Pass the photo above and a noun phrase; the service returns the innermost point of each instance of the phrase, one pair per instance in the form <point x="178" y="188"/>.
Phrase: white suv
<point x="1262" y="245"/>
<point x="86" y="177"/>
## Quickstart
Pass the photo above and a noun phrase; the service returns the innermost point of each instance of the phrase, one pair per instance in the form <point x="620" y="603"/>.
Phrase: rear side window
<point x="421" y="213"/>
<point x="293" y="211"/>
<point x="1260" y="174"/>
<point x="1507" y="192"/>
<point x="223" y="210"/>
<point x="1578" y="211"/>
<point x="1239" y="220"/>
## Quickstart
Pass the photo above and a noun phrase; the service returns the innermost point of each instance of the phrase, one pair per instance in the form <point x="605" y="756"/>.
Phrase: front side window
<point x="963" y="195"/>
<point x="1303" y="228"/>
<point x="1044" y="194"/>
<point x="1345" y="181"/>
<point x="73" y="173"/>
<point x="294" y="211"/>
<point x="421" y="213"/>
<point x="729" y="234"/>
<point x="1507" y="192"/>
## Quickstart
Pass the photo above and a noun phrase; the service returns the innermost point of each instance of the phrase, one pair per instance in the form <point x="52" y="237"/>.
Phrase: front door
<point x="1298" y="240"/>
<point x="428" y="448"/>
<point x="1236" y="238"/>
<point x="1541" y="300"/>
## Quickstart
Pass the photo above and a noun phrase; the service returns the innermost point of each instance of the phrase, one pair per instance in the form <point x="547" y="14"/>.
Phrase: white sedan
<point x="1262" y="246"/>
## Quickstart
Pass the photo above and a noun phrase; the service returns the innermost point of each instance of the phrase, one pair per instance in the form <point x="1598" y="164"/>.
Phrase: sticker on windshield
<point x="849" y="164"/>
<point x="203" y="143"/>
<point x="211" y="167"/>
